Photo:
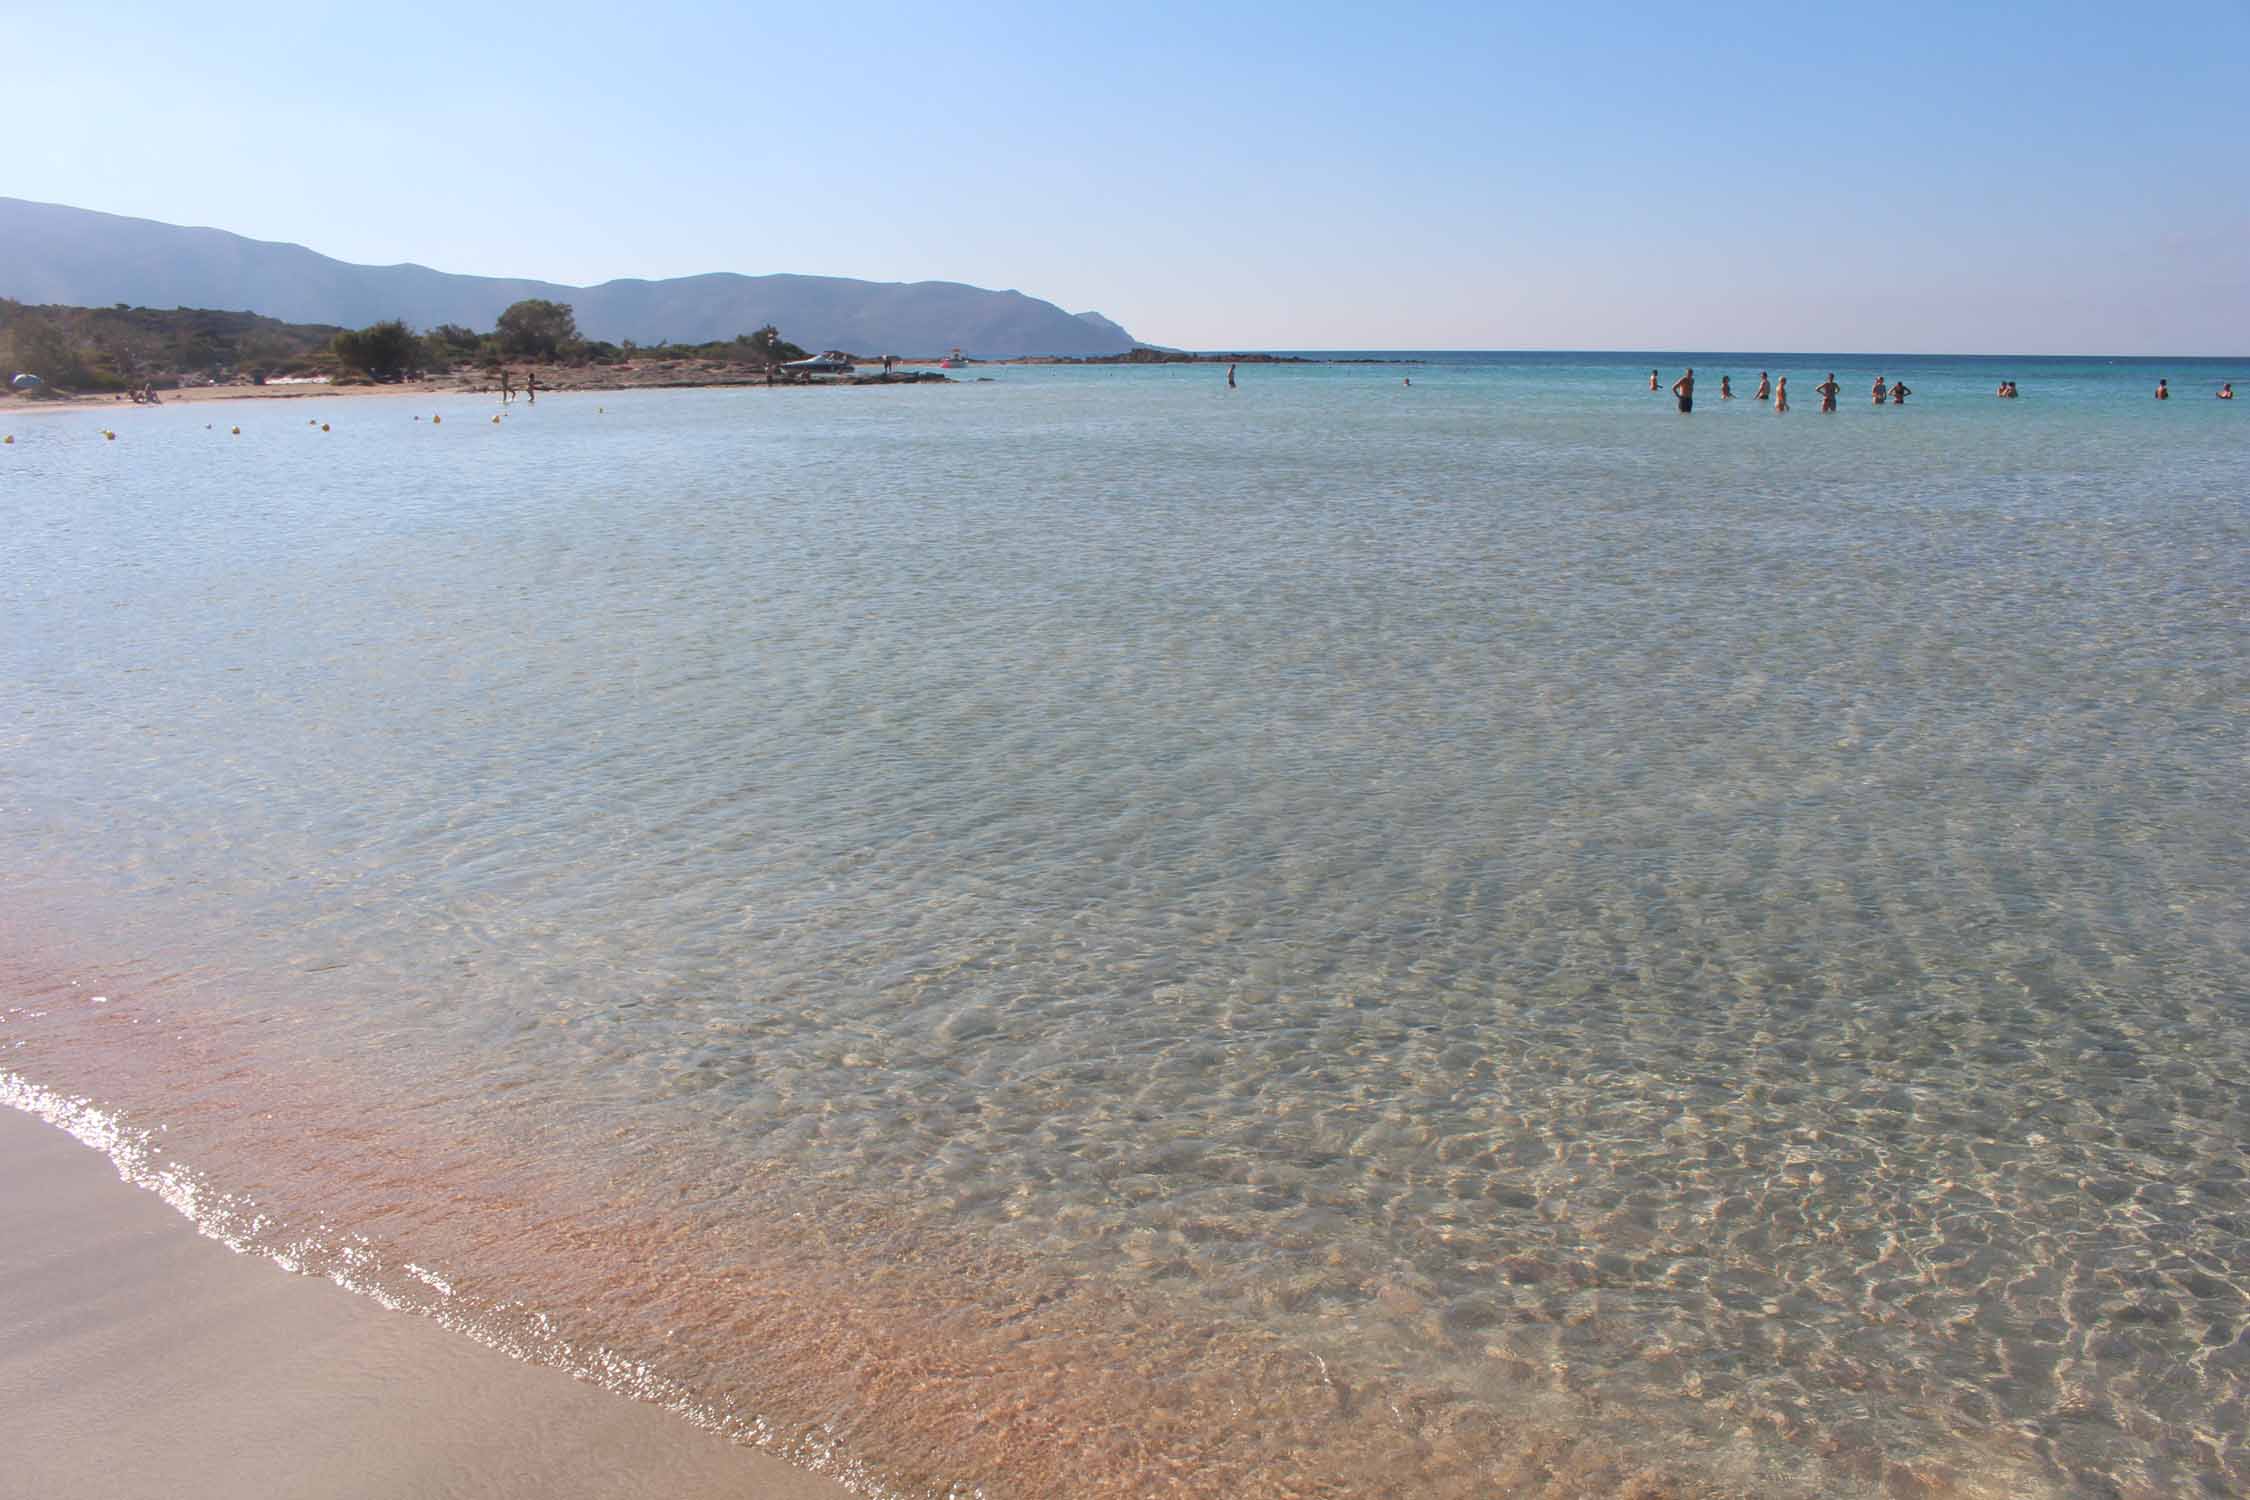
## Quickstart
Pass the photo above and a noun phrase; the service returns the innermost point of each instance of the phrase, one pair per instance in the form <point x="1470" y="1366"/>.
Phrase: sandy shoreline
<point x="141" y="1361"/>
<point x="607" y="380"/>
<point x="203" y="394"/>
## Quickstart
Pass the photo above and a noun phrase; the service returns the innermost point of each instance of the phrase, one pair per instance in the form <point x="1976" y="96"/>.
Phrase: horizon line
<point x="1661" y="354"/>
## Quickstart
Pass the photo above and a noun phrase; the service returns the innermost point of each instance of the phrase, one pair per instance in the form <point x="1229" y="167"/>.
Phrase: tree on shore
<point x="768" y="347"/>
<point x="536" y="328"/>
<point x="381" y="351"/>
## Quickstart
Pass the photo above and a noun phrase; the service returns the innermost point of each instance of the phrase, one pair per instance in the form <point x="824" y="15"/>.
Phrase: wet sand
<point x="140" y="1360"/>
<point x="196" y="395"/>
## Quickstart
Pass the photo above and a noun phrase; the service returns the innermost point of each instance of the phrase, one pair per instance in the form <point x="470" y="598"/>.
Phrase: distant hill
<point x="53" y="254"/>
<point x="1096" y="320"/>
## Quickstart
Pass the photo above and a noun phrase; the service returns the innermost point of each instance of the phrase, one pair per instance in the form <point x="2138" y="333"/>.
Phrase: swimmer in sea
<point x="1652" y="380"/>
<point x="1827" y="390"/>
<point x="1684" y="388"/>
<point x="1781" y="396"/>
<point x="1726" y="391"/>
<point x="1765" y="386"/>
<point x="1899" y="393"/>
<point x="1230" y="377"/>
<point x="2163" y="391"/>
<point x="2226" y="392"/>
<point x="1881" y="390"/>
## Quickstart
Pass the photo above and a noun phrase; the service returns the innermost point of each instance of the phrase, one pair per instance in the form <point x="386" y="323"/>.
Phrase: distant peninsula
<point x="52" y="353"/>
<point x="51" y="254"/>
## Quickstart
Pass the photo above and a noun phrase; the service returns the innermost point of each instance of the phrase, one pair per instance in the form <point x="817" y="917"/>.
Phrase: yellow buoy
<point x="235" y="430"/>
<point x="496" y="418"/>
<point x="435" y="420"/>
<point x="324" y="427"/>
<point x="11" y="437"/>
<point x="109" y="435"/>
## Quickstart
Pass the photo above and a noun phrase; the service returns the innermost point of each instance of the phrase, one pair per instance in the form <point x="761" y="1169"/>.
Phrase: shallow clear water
<point x="1091" y="930"/>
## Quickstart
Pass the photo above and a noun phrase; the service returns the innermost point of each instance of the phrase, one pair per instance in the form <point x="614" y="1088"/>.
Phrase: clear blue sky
<point x="2025" y="178"/>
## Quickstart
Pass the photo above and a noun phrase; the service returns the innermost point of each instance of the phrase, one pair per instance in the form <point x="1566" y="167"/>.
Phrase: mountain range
<point x="50" y="253"/>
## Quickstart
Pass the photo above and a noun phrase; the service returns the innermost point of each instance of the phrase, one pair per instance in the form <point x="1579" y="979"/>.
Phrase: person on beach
<point x="1652" y="380"/>
<point x="1726" y="391"/>
<point x="1684" y="388"/>
<point x="1765" y="386"/>
<point x="1899" y="393"/>
<point x="1827" y="390"/>
<point x="1230" y="377"/>
<point x="1882" y="392"/>
<point x="1781" y="396"/>
<point x="507" y="386"/>
<point x="531" y="385"/>
<point x="2163" y="391"/>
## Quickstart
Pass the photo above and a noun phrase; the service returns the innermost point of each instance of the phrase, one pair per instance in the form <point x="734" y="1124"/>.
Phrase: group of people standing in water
<point x="1893" y="393"/>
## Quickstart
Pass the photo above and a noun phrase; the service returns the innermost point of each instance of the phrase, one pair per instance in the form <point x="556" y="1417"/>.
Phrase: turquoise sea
<point x="1082" y="933"/>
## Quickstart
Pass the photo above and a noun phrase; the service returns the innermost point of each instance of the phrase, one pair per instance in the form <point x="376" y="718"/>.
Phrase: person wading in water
<point x="1827" y="390"/>
<point x="1684" y="388"/>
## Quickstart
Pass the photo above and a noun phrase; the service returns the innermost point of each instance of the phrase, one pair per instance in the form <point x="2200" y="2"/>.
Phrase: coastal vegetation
<point x="84" y="349"/>
<point x="114" y="348"/>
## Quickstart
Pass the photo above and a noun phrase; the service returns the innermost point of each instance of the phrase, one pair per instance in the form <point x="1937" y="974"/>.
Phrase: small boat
<point x="954" y="361"/>
<point x="829" y="362"/>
